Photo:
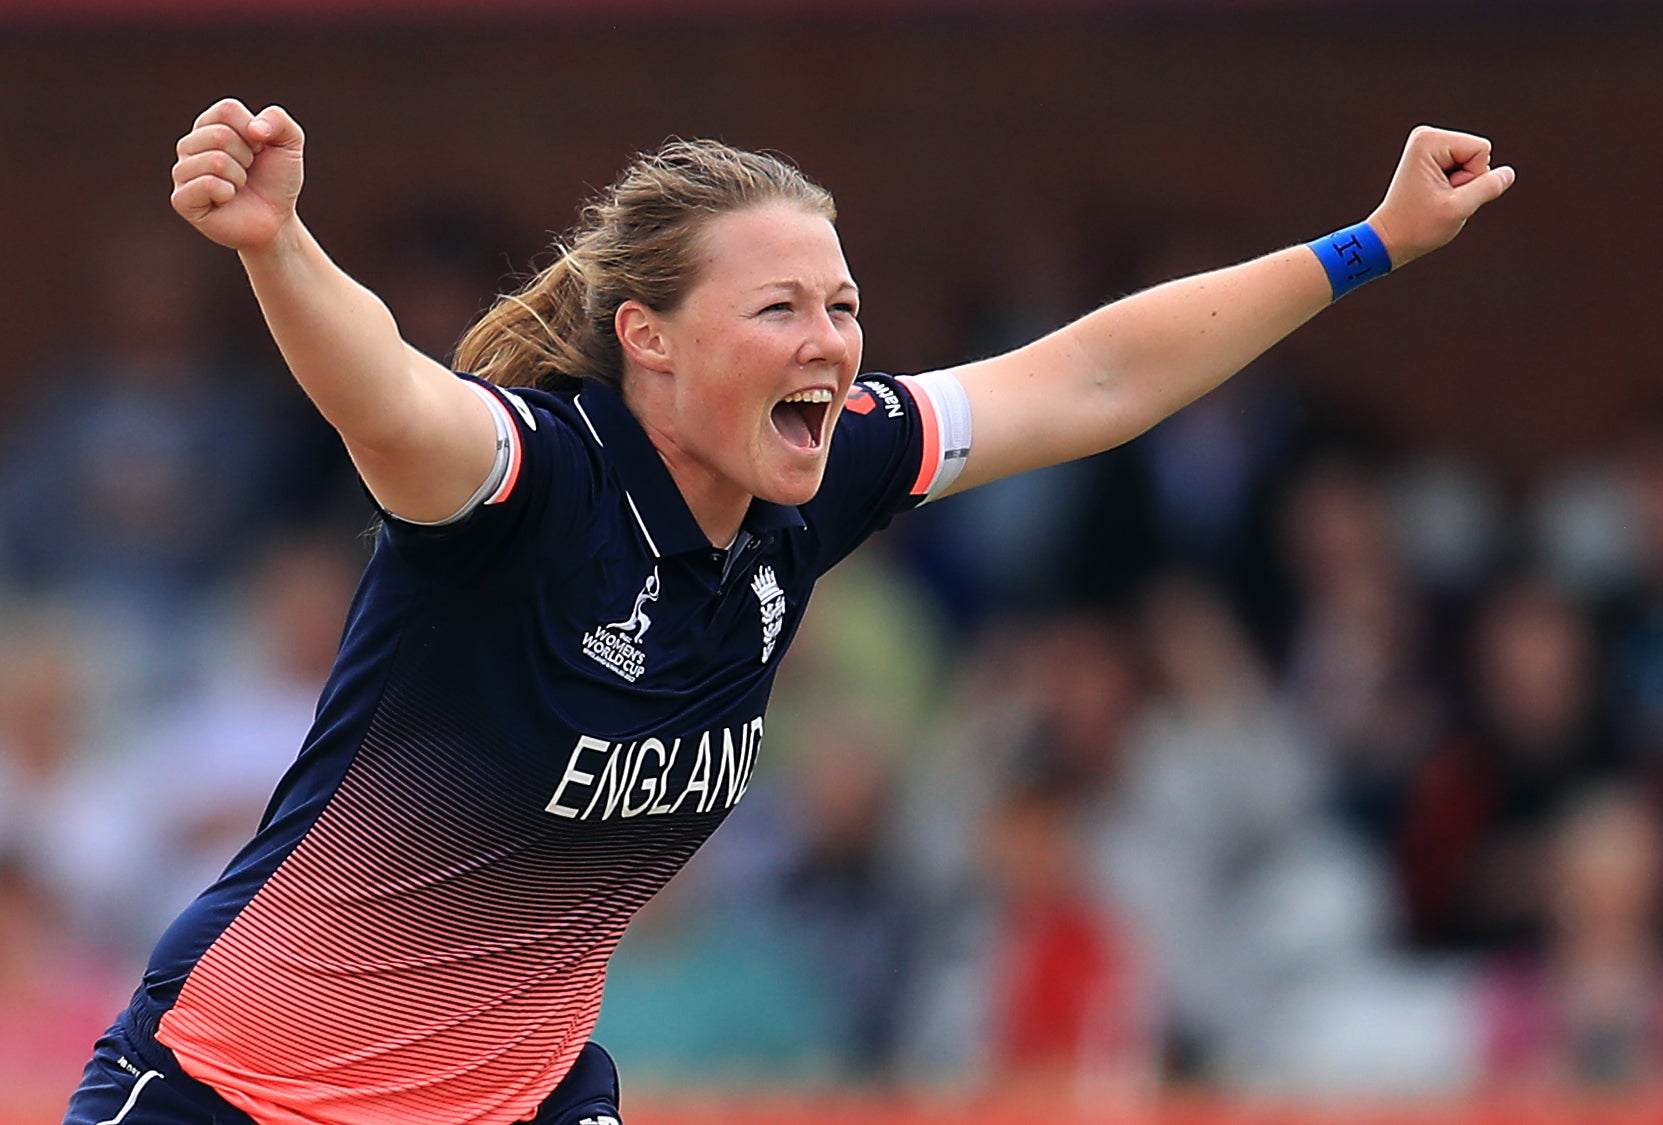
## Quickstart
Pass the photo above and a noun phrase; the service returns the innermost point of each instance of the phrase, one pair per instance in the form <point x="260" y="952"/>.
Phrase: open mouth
<point x="799" y="417"/>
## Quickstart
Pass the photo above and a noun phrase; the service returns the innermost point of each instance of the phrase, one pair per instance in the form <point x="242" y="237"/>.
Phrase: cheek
<point x="749" y="380"/>
<point x="724" y="411"/>
<point x="728" y="398"/>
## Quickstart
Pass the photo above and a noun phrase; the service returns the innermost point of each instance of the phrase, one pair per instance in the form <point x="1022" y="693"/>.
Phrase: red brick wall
<point x="1535" y="335"/>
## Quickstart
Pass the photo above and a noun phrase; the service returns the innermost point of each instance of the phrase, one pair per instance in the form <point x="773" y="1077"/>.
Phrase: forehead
<point x="772" y="244"/>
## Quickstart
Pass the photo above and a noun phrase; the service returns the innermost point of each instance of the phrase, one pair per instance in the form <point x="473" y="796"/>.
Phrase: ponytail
<point x="638" y="241"/>
<point x="539" y="336"/>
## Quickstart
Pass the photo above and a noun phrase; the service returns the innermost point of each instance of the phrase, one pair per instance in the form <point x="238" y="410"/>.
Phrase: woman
<point x="552" y="682"/>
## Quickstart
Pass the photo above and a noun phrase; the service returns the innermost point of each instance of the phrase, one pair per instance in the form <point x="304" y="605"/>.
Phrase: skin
<point x="416" y="433"/>
<point x="773" y="313"/>
<point x="1117" y="371"/>
<point x="704" y="379"/>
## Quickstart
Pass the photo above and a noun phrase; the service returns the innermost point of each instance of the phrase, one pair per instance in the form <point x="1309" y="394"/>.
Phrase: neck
<point x="717" y="504"/>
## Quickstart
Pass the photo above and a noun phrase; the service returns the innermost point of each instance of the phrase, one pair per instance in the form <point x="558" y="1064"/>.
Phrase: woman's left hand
<point x="1442" y="179"/>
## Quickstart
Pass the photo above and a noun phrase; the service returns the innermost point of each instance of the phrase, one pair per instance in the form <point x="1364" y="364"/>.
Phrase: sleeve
<point x="539" y="491"/>
<point x="901" y="442"/>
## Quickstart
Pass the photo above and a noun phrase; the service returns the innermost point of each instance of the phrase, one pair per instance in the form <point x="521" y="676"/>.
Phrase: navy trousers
<point x="133" y="1080"/>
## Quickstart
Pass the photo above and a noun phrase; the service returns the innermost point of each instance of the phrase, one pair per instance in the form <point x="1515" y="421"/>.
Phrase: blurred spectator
<point x="1356" y="660"/>
<point x="1334" y="530"/>
<point x="1073" y="1018"/>
<point x="1449" y="523"/>
<point x="1057" y="697"/>
<point x="875" y="642"/>
<point x="205" y="765"/>
<point x="57" y="995"/>
<point x="126" y="479"/>
<point x="67" y="817"/>
<point x="1481" y="806"/>
<point x="1042" y="708"/>
<point x="1211" y="468"/>
<point x="843" y="896"/>
<point x="1586" y="1010"/>
<point x="1587" y="531"/>
<point x="1637" y="618"/>
<point x="1007" y="545"/>
<point x="1215" y="844"/>
<point x="705" y="990"/>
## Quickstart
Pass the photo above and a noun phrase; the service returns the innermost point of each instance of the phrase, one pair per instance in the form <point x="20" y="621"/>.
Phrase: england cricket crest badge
<point x="771" y="600"/>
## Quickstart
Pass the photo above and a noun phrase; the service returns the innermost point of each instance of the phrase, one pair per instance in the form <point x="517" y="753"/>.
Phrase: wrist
<point x="1352" y="256"/>
<point x="286" y="243"/>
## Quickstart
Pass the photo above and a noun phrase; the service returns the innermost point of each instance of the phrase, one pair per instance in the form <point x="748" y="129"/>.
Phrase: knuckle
<point x="283" y="117"/>
<point x="221" y="111"/>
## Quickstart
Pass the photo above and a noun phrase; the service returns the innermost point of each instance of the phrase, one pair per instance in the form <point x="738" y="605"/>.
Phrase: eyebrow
<point x="796" y="286"/>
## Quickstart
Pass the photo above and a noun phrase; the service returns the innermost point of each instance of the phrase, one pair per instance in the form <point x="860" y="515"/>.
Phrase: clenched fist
<point x="238" y="174"/>
<point x="1441" y="179"/>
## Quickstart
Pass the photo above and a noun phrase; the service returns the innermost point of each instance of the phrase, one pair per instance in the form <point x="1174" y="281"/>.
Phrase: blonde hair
<point x="637" y="241"/>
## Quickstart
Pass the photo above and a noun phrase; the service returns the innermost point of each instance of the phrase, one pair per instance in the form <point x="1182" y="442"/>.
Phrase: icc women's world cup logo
<point x="617" y="646"/>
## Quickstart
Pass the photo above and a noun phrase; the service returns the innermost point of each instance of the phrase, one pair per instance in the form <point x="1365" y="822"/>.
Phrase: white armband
<point x="500" y="480"/>
<point x="945" y="410"/>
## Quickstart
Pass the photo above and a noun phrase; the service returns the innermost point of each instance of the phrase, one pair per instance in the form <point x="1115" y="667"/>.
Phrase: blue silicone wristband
<point x="1352" y="257"/>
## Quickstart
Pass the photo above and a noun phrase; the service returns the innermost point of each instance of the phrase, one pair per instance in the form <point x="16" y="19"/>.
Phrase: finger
<point x="226" y="111"/>
<point x="274" y="126"/>
<point x="1486" y="188"/>
<point x="1455" y="153"/>
<point x="216" y="136"/>
<point x="195" y="199"/>
<point x="1469" y="169"/>
<point x="215" y="162"/>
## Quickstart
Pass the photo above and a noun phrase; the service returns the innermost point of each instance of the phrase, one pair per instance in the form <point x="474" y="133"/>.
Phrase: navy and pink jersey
<point x="539" y="711"/>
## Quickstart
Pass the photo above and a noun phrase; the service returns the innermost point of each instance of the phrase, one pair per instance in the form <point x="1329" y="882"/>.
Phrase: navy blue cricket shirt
<point x="538" y="713"/>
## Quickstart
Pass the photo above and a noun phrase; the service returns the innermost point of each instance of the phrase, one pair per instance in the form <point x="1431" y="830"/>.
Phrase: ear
<point x="641" y="334"/>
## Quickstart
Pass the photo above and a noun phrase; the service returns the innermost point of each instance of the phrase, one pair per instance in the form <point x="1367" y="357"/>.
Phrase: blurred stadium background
<point x="1299" y="762"/>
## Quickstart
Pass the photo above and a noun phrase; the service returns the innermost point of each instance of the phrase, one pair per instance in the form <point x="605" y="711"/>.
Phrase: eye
<point x="778" y="306"/>
<point x="846" y="308"/>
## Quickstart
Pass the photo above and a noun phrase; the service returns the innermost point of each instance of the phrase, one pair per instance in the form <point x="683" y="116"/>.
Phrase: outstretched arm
<point x="1116" y="372"/>
<point x="422" y="440"/>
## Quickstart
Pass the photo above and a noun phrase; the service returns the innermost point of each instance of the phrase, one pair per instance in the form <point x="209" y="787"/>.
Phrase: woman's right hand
<point x="238" y="174"/>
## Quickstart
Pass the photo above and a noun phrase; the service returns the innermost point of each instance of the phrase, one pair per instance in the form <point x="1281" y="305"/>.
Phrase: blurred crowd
<point x="1264" y="753"/>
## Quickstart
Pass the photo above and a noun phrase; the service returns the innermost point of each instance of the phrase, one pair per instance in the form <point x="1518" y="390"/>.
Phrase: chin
<point x="795" y="488"/>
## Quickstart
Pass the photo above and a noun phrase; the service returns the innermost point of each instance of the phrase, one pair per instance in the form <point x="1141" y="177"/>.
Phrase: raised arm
<point x="423" y="441"/>
<point x="1117" y="371"/>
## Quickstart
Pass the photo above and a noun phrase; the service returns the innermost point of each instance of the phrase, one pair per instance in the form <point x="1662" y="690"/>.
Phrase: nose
<point x="824" y="341"/>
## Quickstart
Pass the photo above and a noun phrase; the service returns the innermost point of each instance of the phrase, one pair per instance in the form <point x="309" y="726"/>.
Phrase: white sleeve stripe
<point x="508" y="440"/>
<point x="951" y="407"/>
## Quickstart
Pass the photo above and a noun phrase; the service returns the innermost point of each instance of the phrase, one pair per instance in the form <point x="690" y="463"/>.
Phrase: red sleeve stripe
<point x="505" y="467"/>
<point x="929" y="464"/>
<point x="944" y="410"/>
<point x="506" y="431"/>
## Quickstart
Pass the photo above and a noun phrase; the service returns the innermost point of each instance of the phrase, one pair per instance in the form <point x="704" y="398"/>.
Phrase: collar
<point x="663" y="516"/>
